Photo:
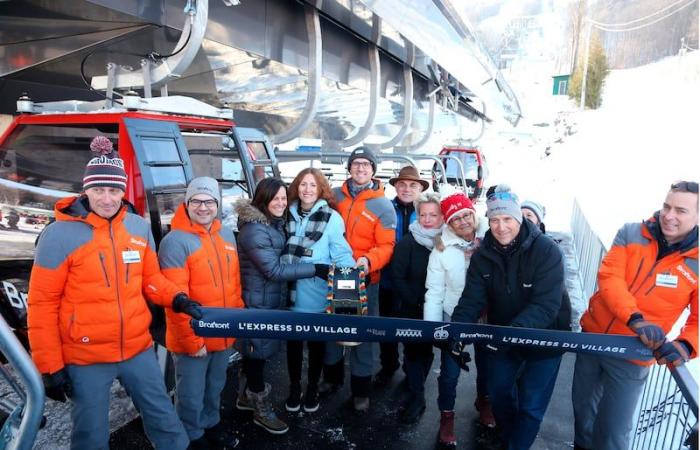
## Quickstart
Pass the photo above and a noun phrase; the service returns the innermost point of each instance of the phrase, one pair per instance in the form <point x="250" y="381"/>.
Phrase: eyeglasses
<point x="463" y="218"/>
<point x="197" y="203"/>
<point x="685" y="186"/>
<point x="363" y="164"/>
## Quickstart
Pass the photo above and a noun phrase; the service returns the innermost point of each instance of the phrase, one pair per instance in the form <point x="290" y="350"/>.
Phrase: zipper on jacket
<point x="646" y="278"/>
<point x="119" y="302"/>
<point x="228" y="267"/>
<point x="221" y="269"/>
<point x="104" y="268"/>
<point x="127" y="267"/>
<point x="639" y="269"/>
<point x="213" y="275"/>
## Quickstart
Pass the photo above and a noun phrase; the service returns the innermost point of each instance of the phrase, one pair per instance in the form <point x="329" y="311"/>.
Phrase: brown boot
<point x="447" y="428"/>
<point x="483" y="405"/>
<point x="263" y="415"/>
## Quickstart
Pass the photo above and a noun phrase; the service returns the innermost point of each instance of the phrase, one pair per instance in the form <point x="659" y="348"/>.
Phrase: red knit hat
<point x="455" y="203"/>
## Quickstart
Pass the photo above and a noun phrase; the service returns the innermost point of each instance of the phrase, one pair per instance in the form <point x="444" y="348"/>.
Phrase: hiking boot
<point x="220" y="438"/>
<point x="243" y="403"/>
<point x="447" y="428"/>
<point x="293" y="403"/>
<point x="483" y="405"/>
<point x="311" y="399"/>
<point x="201" y="443"/>
<point x="413" y="409"/>
<point x="361" y="404"/>
<point x="383" y="377"/>
<point x="263" y="415"/>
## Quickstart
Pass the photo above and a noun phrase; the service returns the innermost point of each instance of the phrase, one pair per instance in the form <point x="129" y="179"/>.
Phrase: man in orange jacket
<point x="646" y="281"/>
<point x="370" y="224"/>
<point x="199" y="256"/>
<point x="88" y="320"/>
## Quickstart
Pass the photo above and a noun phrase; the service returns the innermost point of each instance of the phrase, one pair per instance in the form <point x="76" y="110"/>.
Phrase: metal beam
<point x="175" y="64"/>
<point x="407" y="100"/>
<point x="374" y="80"/>
<point x="313" y="30"/>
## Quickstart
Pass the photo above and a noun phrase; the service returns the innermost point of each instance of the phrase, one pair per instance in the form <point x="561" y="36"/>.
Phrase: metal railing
<point x="589" y="250"/>
<point x="22" y="425"/>
<point x="668" y="412"/>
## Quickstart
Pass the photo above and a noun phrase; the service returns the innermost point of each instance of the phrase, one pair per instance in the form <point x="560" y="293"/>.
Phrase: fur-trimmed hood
<point x="247" y="213"/>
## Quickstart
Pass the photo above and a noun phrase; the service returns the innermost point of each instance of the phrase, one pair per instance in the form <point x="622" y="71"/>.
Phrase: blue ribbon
<point x="288" y="325"/>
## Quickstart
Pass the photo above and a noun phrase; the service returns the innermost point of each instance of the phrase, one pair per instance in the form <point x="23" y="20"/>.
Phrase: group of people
<point x="425" y="259"/>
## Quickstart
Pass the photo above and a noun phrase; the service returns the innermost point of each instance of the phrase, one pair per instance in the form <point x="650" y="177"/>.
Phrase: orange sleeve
<point x="236" y="278"/>
<point x="45" y="294"/>
<point x="613" y="285"/>
<point x="380" y="255"/>
<point x="689" y="332"/>
<point x="156" y="287"/>
<point x="180" y="322"/>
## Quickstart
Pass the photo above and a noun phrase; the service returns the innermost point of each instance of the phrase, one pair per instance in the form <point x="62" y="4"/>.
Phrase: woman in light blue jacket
<point x="316" y="235"/>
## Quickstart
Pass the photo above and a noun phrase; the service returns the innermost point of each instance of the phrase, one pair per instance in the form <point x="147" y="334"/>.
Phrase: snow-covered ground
<point x="621" y="158"/>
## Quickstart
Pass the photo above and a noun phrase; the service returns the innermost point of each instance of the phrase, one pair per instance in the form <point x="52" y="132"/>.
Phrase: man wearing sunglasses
<point x="645" y="282"/>
<point x="199" y="256"/>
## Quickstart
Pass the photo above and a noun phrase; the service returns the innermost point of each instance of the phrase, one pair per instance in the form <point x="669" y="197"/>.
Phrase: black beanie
<point x="364" y="153"/>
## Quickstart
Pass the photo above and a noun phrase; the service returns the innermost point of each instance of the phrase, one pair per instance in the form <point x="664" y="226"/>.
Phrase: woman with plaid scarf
<point x="317" y="235"/>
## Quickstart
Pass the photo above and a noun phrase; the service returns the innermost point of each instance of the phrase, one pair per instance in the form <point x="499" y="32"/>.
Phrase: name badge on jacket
<point x="131" y="256"/>
<point x="667" y="280"/>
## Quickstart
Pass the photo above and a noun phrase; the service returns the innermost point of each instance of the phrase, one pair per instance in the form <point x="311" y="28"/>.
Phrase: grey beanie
<point x="535" y="208"/>
<point x="203" y="185"/>
<point x="365" y="153"/>
<point x="503" y="202"/>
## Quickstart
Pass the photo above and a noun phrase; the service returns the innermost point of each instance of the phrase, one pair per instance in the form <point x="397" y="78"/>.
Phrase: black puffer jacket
<point x="523" y="289"/>
<point x="263" y="278"/>
<point x="409" y="267"/>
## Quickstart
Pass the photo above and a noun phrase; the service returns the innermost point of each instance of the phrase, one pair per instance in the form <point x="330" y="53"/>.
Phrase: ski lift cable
<point x="609" y="27"/>
<point x="641" y="19"/>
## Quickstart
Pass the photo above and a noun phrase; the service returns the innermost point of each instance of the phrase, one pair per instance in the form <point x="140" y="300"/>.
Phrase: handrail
<point x="313" y="30"/>
<point x="31" y="407"/>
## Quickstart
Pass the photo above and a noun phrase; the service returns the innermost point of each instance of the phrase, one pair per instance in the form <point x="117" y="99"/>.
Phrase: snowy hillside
<point x="621" y="158"/>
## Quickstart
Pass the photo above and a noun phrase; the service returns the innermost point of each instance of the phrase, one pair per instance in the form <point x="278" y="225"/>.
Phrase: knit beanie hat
<point x="535" y="208"/>
<point x="106" y="169"/>
<point x="453" y="202"/>
<point x="503" y="202"/>
<point x="364" y="153"/>
<point x="203" y="185"/>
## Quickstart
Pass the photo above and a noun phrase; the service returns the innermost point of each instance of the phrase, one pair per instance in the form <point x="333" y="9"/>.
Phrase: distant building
<point x="560" y="84"/>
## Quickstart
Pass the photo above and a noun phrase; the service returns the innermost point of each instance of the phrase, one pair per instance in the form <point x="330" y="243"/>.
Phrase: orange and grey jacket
<point x="632" y="280"/>
<point x="87" y="286"/>
<point x="204" y="264"/>
<point x="370" y="225"/>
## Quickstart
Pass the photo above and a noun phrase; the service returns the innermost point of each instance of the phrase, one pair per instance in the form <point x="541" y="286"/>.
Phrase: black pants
<point x="418" y="359"/>
<point x="388" y="351"/>
<point x="254" y="370"/>
<point x="295" y="359"/>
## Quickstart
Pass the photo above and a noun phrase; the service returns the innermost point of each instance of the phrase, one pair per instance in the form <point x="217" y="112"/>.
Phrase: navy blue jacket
<point x="522" y="289"/>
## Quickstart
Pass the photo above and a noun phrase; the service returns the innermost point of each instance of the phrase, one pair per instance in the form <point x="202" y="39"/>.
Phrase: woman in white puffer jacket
<point x="447" y="270"/>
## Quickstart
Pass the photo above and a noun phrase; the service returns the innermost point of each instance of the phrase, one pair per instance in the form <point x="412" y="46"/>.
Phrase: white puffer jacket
<point x="447" y="274"/>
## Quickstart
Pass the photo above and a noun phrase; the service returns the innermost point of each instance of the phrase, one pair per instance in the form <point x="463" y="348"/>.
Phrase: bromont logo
<point x="687" y="274"/>
<point x="138" y="242"/>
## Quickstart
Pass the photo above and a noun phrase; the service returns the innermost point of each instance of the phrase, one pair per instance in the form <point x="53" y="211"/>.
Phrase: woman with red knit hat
<point x="447" y="269"/>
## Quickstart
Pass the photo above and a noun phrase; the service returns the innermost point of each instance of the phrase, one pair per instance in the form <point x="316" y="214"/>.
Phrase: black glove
<point x="57" y="385"/>
<point x="321" y="270"/>
<point x="183" y="304"/>
<point x="459" y="352"/>
<point x="649" y="333"/>
<point x="673" y="352"/>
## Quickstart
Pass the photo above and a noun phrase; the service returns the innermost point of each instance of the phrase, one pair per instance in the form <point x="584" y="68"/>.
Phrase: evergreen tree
<point x="598" y="70"/>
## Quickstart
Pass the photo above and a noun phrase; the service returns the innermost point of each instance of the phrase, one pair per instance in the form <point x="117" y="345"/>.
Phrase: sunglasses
<point x="685" y="186"/>
<point x="503" y="196"/>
